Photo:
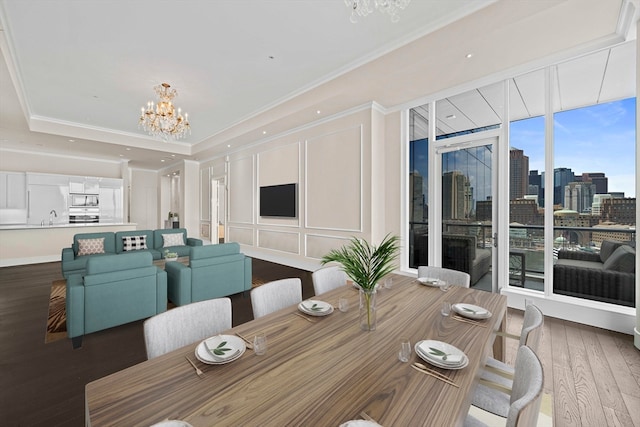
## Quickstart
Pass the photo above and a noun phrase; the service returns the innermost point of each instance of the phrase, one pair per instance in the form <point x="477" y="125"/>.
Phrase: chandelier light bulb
<point x="361" y="8"/>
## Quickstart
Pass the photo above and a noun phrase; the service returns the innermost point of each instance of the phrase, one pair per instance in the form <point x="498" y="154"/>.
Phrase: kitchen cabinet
<point x="84" y="185"/>
<point x="13" y="190"/>
<point x="111" y="200"/>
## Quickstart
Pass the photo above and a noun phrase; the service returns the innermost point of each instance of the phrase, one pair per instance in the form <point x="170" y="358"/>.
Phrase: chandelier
<point x="363" y="8"/>
<point x="161" y="119"/>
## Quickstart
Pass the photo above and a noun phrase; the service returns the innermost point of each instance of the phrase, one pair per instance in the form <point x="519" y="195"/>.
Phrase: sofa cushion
<point x="109" y="241"/>
<point x="172" y="239"/>
<point x="109" y="263"/>
<point x="134" y="243"/>
<point x="622" y="259"/>
<point x="208" y="251"/>
<point x="607" y="248"/>
<point x="90" y="246"/>
<point x="121" y="241"/>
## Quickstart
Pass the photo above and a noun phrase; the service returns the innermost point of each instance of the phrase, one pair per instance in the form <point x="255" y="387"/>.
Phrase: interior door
<point x="468" y="191"/>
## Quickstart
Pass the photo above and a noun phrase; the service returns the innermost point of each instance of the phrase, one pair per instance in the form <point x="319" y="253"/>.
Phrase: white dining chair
<point x="185" y="325"/>
<point x="328" y="278"/>
<point x="530" y="335"/>
<point x="452" y="277"/>
<point x="522" y="407"/>
<point x="273" y="296"/>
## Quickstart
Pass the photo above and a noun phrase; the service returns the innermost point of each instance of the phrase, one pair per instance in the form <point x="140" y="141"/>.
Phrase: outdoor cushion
<point x="623" y="259"/>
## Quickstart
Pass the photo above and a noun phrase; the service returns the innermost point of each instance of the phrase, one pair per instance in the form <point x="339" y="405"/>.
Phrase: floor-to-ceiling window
<point x="574" y="120"/>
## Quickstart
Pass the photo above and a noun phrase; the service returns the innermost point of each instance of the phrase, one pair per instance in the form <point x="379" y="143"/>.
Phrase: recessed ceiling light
<point x="173" y="155"/>
<point x="468" y="55"/>
<point x="128" y="148"/>
<point x="318" y="112"/>
<point x="72" y="140"/>
<point x="264" y="132"/>
<point x="451" y="116"/>
<point x="228" y="145"/>
<point x="162" y="160"/>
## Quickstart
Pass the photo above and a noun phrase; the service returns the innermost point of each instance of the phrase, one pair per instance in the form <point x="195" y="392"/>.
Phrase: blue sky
<point x="600" y="138"/>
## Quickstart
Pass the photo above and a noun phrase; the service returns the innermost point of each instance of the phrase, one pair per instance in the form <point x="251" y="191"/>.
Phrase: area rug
<point x="57" y="319"/>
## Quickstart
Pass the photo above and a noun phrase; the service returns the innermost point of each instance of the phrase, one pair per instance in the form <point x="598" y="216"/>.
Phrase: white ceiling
<point x="603" y="76"/>
<point x="81" y="70"/>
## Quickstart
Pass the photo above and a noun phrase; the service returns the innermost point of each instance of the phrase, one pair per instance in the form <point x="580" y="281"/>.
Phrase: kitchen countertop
<point x="61" y="225"/>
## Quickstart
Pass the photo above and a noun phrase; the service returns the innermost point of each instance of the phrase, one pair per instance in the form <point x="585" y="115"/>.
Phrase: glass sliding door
<point x="467" y="210"/>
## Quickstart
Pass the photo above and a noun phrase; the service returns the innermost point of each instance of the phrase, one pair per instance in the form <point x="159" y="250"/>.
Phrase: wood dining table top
<point x="322" y="372"/>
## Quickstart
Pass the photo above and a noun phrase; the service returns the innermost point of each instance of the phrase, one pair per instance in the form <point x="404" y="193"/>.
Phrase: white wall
<point x="341" y="165"/>
<point x="144" y="199"/>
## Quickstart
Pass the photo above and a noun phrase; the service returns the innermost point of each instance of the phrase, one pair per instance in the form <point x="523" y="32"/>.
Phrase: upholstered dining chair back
<point x="526" y="395"/>
<point x="185" y="325"/>
<point x="273" y="296"/>
<point x="328" y="278"/>
<point x="522" y="407"/>
<point x="532" y="327"/>
<point x="452" y="277"/>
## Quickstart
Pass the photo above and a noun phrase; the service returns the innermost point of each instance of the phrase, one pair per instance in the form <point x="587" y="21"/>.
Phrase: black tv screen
<point x="278" y="201"/>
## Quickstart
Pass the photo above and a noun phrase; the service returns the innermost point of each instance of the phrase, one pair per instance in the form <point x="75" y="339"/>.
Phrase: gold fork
<point x="198" y="371"/>
<point x="305" y="317"/>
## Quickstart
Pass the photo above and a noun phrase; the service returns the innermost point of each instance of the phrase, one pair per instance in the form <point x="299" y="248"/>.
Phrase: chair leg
<point x="76" y="342"/>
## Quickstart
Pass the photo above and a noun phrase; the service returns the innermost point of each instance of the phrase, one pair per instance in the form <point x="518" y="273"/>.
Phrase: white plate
<point x="444" y="347"/>
<point x="172" y="423"/>
<point x="430" y="281"/>
<point x="232" y="342"/>
<point x="471" y="311"/>
<point x="321" y="308"/>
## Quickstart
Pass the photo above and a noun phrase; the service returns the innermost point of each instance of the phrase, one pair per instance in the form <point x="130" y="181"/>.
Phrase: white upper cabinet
<point x="13" y="190"/>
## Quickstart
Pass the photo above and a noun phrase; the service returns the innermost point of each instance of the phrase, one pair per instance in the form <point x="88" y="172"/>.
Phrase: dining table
<point x="317" y="370"/>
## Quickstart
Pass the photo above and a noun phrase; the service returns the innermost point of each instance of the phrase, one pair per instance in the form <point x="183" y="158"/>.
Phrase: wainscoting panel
<point x="279" y="240"/>
<point x="334" y="188"/>
<point x="317" y="246"/>
<point x="243" y="236"/>
<point x="241" y="194"/>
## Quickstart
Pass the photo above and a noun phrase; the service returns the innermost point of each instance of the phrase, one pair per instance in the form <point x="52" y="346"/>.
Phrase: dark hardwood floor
<point x="592" y="374"/>
<point x="43" y="384"/>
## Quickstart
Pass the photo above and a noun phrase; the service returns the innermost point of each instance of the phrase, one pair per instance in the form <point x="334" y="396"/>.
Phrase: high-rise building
<point x="536" y="186"/>
<point x="518" y="174"/>
<point x="561" y="178"/>
<point x="598" y="179"/>
<point x="620" y="211"/>
<point x="578" y="196"/>
<point x="457" y="196"/>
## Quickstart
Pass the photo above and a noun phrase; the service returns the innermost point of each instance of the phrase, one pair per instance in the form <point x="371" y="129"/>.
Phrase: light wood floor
<point x="593" y="374"/>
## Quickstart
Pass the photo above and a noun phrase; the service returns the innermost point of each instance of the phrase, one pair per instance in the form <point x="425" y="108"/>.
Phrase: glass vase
<point x="368" y="310"/>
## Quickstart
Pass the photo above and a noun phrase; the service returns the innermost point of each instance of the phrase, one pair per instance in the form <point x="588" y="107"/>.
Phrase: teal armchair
<point x="116" y="289"/>
<point x="214" y="271"/>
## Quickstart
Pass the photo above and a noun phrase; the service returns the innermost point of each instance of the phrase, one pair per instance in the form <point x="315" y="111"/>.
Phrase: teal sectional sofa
<point x="89" y="245"/>
<point x="214" y="271"/>
<point x="114" y="290"/>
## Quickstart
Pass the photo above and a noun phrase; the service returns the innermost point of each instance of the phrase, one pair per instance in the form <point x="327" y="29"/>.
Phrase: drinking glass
<point x="446" y="308"/>
<point x="343" y="305"/>
<point x="260" y="343"/>
<point x="405" y="350"/>
<point x="388" y="282"/>
<point x="445" y="286"/>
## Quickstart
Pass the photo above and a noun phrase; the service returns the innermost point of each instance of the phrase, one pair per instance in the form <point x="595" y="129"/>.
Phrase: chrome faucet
<point x="54" y="213"/>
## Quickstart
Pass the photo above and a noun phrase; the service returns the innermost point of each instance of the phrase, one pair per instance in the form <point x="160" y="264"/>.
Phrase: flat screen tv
<point x="278" y="201"/>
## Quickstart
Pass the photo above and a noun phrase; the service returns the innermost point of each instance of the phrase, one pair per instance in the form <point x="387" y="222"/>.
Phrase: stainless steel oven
<point x="78" y="215"/>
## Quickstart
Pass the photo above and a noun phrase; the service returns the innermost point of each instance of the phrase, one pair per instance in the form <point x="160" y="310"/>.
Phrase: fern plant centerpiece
<point x="366" y="265"/>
